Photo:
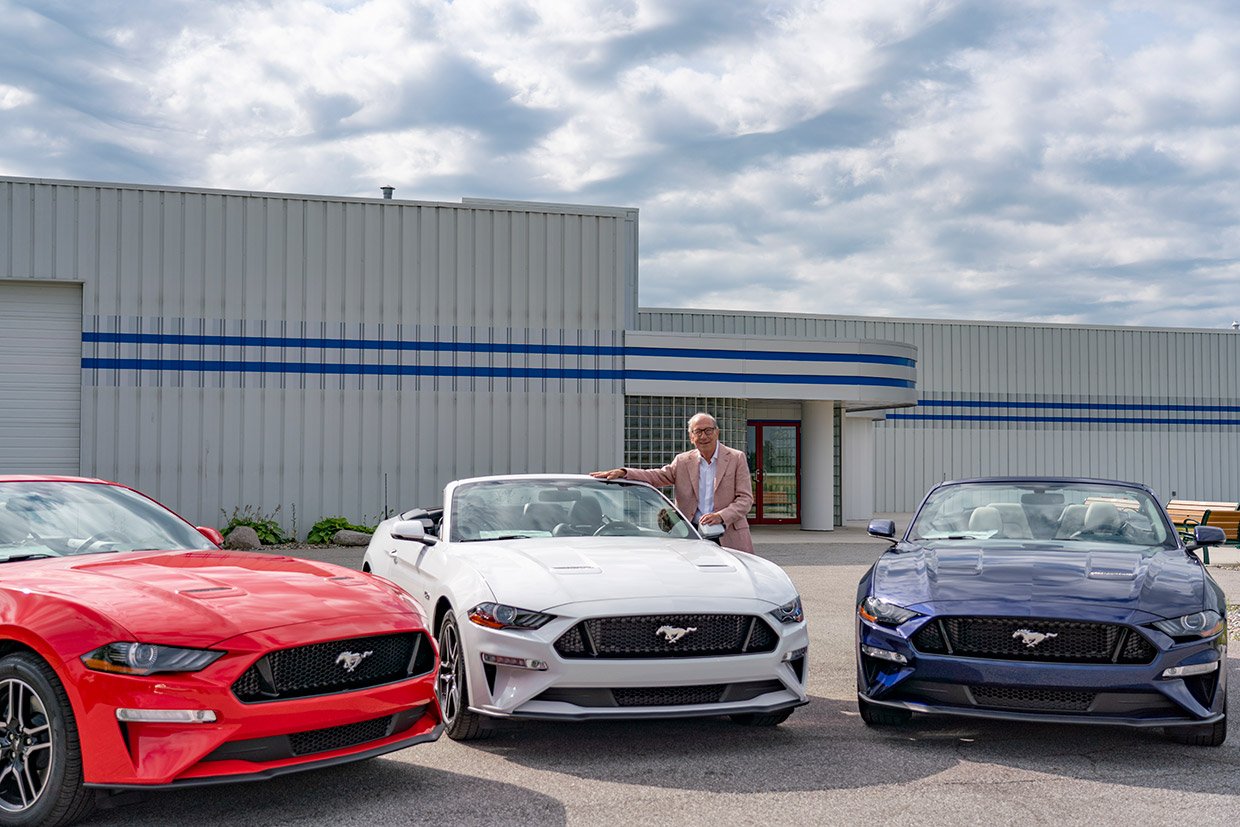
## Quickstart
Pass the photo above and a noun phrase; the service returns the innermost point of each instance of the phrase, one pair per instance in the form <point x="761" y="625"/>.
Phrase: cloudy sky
<point x="1040" y="160"/>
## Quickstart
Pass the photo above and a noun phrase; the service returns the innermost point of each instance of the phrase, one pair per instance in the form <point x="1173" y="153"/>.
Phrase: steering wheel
<point x="616" y="527"/>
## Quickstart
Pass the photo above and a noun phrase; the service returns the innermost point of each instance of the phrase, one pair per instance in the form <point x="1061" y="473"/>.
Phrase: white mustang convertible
<point x="563" y="596"/>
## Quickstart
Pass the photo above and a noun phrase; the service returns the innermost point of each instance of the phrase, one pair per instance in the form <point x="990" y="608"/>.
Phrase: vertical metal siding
<point x="304" y="268"/>
<point x="986" y="364"/>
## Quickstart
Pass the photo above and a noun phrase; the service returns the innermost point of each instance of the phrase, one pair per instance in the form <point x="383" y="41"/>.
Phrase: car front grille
<point x="1032" y="698"/>
<point x="323" y="668"/>
<point x="314" y="741"/>
<point x="1023" y="638"/>
<point x="667" y="636"/>
<point x="339" y="737"/>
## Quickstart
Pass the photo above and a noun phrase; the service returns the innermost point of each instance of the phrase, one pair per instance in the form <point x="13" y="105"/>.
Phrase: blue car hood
<point x="1016" y="578"/>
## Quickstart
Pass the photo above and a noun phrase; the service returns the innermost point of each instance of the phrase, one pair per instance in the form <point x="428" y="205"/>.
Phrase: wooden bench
<point x="1186" y="514"/>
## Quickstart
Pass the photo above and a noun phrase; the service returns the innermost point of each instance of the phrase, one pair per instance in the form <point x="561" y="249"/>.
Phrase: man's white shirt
<point x="706" y="484"/>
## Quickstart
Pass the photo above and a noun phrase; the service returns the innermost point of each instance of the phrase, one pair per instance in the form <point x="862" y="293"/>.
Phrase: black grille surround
<point x="323" y="668"/>
<point x="1033" y="698"/>
<point x="667" y="636"/>
<point x="1033" y="639"/>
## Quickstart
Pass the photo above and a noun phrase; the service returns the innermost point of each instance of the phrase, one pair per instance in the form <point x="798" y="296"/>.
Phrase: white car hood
<point x="541" y="574"/>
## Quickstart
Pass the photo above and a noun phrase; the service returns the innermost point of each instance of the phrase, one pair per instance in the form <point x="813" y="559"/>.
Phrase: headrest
<point x="1102" y="517"/>
<point x="985" y="518"/>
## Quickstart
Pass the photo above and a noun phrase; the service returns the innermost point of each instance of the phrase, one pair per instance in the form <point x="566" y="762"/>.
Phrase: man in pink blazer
<point x="711" y="482"/>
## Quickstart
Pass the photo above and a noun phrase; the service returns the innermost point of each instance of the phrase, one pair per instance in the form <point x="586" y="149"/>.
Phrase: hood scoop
<point x="211" y="592"/>
<point x="1104" y="566"/>
<point x="580" y="568"/>
<point x="957" y="562"/>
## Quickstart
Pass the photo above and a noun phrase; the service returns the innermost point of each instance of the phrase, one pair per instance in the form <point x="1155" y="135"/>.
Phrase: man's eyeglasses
<point x="702" y="431"/>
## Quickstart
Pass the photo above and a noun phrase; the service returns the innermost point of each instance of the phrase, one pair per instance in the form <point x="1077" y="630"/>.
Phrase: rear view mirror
<point x="211" y="534"/>
<point x="711" y="531"/>
<point x="1207" y="535"/>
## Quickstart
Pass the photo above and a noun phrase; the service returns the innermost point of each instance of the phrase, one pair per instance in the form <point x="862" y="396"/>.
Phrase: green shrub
<point x="265" y="525"/>
<point x="326" y="528"/>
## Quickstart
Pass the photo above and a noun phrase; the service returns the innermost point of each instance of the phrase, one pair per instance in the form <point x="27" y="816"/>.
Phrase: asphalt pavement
<point x="822" y="766"/>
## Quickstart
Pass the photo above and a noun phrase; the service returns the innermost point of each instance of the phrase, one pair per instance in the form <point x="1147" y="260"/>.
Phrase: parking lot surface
<point x="823" y="766"/>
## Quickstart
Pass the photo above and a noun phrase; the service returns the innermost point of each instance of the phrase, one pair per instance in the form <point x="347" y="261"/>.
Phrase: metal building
<point x="304" y="356"/>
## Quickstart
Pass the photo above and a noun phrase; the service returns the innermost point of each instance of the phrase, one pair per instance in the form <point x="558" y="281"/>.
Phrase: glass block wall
<point x="656" y="428"/>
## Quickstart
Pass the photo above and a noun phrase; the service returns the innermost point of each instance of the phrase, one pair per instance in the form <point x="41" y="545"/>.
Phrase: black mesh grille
<point x="1022" y="638"/>
<point x="1033" y="698"/>
<point x="339" y="737"/>
<point x="667" y="636"/>
<point x="669" y="695"/>
<point x="324" y="668"/>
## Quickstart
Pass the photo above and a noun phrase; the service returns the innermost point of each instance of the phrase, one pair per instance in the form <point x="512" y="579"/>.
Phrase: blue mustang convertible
<point x="1058" y="600"/>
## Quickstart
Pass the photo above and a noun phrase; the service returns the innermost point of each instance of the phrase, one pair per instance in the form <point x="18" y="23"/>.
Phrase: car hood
<point x="540" y="574"/>
<point x="203" y="597"/>
<point x="1013" y="578"/>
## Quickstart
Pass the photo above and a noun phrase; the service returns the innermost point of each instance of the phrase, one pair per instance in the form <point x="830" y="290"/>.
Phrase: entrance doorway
<point x="773" y="448"/>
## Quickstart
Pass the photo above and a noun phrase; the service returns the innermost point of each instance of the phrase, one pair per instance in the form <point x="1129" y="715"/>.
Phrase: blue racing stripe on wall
<point x="327" y="368"/>
<point x="1087" y="420"/>
<point x="1076" y="406"/>
<point x="488" y="347"/>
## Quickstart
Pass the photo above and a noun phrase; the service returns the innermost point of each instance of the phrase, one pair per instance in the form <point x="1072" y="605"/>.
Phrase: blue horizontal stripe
<point x="1075" y="406"/>
<point x="768" y="378"/>
<point x="1112" y="420"/>
<point x="321" y="368"/>
<point x="194" y="340"/>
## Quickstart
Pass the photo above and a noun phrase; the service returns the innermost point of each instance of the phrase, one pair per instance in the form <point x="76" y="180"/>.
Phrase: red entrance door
<point x="774" y="452"/>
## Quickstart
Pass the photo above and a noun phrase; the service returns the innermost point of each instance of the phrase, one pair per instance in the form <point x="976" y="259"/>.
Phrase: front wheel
<point x="40" y="757"/>
<point x="875" y="715"/>
<point x="1207" y="735"/>
<point x="761" y="719"/>
<point x="452" y="686"/>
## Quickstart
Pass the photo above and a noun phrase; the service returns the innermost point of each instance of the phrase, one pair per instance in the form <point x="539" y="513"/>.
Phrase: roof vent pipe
<point x="387" y="192"/>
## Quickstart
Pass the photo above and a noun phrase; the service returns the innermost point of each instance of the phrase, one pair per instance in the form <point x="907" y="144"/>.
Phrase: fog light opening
<point x="519" y="663"/>
<point x="883" y="654"/>
<point x="1188" y="671"/>
<point x="795" y="653"/>
<point x="166" y="716"/>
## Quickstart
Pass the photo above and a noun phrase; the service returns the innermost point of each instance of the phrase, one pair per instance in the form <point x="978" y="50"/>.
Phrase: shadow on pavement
<point x="378" y="791"/>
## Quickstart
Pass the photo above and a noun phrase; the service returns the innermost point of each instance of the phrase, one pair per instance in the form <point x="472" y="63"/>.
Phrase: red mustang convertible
<point x="135" y="653"/>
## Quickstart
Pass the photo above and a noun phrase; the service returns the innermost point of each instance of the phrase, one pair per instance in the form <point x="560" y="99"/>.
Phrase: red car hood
<point x="197" y="598"/>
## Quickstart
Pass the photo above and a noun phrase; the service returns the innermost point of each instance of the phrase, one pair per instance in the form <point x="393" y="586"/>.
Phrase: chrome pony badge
<point x="1031" y="638"/>
<point x="673" y="633"/>
<point x="351" y="660"/>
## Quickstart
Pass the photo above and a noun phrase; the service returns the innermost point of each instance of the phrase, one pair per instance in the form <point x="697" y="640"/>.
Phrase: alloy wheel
<point x="26" y="748"/>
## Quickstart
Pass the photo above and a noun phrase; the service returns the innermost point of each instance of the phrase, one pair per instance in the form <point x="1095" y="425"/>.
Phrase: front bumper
<point x="1120" y="694"/>
<point x="247" y="741"/>
<point x="578" y="689"/>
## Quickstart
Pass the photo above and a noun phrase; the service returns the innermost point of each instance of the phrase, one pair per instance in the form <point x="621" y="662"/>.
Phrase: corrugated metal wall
<point x="1157" y="406"/>
<point x="329" y="355"/>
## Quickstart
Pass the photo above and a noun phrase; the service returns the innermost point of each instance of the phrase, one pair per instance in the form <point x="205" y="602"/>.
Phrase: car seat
<point x="986" y="518"/>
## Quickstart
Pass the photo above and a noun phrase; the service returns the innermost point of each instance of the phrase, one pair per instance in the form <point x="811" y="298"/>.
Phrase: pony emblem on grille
<point x="1031" y="638"/>
<point x="674" y="633"/>
<point x="351" y="660"/>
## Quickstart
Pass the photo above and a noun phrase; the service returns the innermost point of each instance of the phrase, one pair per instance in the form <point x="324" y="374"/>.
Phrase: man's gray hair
<point x="714" y="421"/>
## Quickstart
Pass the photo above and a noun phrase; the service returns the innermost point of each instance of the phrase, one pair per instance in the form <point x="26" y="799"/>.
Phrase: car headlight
<point x="148" y="658"/>
<point x="1191" y="627"/>
<point x="790" y="612"/>
<point x="499" y="616"/>
<point x="877" y="610"/>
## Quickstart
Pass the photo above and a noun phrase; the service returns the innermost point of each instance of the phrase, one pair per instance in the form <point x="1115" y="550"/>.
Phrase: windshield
<point x="54" y="519"/>
<point x="1063" y="512"/>
<point x="512" y="509"/>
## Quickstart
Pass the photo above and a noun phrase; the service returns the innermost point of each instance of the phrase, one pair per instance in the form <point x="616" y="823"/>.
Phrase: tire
<point x="1207" y="735"/>
<point x="452" y="686"/>
<point x="40" y="754"/>
<point x="881" y="716"/>
<point x="762" y="719"/>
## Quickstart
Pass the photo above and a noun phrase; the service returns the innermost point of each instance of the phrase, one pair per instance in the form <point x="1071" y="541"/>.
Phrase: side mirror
<point x="711" y="531"/>
<point x="412" y="530"/>
<point x="1207" y="535"/>
<point x="882" y="528"/>
<point x="211" y="534"/>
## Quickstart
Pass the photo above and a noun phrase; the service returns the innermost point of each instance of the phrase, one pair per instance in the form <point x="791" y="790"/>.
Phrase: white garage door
<point x="40" y="377"/>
